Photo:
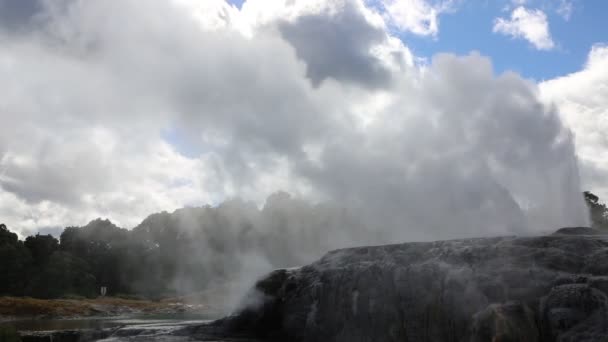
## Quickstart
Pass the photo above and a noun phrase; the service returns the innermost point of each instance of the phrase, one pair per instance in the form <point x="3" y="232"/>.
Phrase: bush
<point x="9" y="334"/>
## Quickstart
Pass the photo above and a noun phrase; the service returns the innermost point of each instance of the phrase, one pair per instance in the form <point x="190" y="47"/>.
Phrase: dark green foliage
<point x="15" y="263"/>
<point x="63" y="274"/>
<point x="6" y="236"/>
<point x="105" y="247"/>
<point x="9" y="334"/>
<point x="15" y="260"/>
<point x="41" y="247"/>
<point x="597" y="210"/>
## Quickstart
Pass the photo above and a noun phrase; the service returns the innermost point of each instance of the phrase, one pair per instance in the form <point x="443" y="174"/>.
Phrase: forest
<point x="168" y="254"/>
<point x="188" y="251"/>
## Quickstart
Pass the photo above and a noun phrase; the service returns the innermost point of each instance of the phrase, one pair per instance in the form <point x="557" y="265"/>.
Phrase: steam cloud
<point x="123" y="108"/>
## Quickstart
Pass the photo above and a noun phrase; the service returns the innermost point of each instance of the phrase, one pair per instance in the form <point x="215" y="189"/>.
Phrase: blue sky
<point x="468" y="27"/>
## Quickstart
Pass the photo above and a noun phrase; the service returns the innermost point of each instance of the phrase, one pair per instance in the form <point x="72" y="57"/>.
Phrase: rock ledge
<point x="544" y="288"/>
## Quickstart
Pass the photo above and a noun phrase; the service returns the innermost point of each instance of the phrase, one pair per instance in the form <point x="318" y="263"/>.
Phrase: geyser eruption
<point x="419" y="150"/>
<point x="455" y="152"/>
<point x="258" y="100"/>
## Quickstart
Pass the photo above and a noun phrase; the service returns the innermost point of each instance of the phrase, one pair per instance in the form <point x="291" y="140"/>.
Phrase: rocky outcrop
<point x="547" y="288"/>
<point x="579" y="231"/>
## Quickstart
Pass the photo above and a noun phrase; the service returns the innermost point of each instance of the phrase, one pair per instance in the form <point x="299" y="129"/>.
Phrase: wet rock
<point x="547" y="288"/>
<point x="571" y="309"/>
<point x="579" y="231"/>
<point x="509" y="322"/>
<point x="524" y="289"/>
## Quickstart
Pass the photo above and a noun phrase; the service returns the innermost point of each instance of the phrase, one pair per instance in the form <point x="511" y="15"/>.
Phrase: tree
<point x="63" y="274"/>
<point x="15" y="261"/>
<point x="41" y="247"/>
<point x="103" y="246"/>
<point x="597" y="211"/>
<point x="6" y="236"/>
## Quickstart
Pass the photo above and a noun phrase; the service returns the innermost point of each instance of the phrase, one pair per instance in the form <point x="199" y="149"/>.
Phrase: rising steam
<point x="123" y="108"/>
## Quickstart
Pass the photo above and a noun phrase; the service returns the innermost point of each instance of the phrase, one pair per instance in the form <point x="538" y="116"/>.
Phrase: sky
<point x="431" y="119"/>
<point x="572" y="27"/>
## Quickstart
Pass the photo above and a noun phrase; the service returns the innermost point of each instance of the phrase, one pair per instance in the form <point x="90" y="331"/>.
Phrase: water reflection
<point x="102" y="323"/>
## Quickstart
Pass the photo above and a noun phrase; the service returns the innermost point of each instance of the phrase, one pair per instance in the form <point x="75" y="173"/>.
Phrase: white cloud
<point x="531" y="25"/>
<point x="582" y="98"/>
<point x="420" y="17"/>
<point x="269" y="103"/>
<point x="565" y="9"/>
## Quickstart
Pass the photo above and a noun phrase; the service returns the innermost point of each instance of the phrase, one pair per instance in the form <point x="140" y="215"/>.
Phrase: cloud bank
<point x="582" y="98"/>
<point x="123" y="108"/>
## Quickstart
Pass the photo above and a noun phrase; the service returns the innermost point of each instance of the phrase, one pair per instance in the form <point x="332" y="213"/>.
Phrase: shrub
<point x="9" y="334"/>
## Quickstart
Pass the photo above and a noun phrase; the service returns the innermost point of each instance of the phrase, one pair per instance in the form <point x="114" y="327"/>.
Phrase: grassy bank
<point x="25" y="307"/>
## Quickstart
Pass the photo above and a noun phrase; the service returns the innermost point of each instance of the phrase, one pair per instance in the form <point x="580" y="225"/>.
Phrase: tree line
<point x="189" y="250"/>
<point x="597" y="211"/>
<point x="168" y="254"/>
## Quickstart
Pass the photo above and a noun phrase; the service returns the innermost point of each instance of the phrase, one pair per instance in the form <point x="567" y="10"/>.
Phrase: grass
<point x="32" y="307"/>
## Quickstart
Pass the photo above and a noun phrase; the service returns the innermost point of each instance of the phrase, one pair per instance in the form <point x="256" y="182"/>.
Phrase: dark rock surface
<point x="524" y="289"/>
<point x="547" y="288"/>
<point x="579" y="231"/>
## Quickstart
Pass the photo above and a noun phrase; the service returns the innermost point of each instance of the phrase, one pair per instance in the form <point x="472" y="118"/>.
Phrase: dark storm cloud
<point x="16" y="15"/>
<point x="337" y="45"/>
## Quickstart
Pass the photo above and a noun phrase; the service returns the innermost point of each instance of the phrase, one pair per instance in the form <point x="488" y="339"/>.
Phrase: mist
<point x="218" y="252"/>
<point x="125" y="108"/>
